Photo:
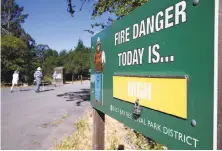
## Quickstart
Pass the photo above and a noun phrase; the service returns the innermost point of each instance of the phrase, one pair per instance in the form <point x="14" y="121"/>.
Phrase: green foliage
<point x="13" y="43"/>
<point x="62" y="59"/>
<point x="17" y="48"/>
<point x="77" y="61"/>
<point x="117" y="8"/>
<point x="16" y="55"/>
<point x="19" y="51"/>
<point x="30" y="65"/>
<point x="12" y="52"/>
<point x="48" y="67"/>
<point x="11" y="19"/>
<point x="12" y="16"/>
<point x="49" y="53"/>
<point x="80" y="46"/>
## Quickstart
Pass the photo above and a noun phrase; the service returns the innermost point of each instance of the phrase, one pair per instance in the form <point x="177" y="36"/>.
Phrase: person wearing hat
<point x="15" y="79"/>
<point x="99" y="60"/>
<point x="38" y="76"/>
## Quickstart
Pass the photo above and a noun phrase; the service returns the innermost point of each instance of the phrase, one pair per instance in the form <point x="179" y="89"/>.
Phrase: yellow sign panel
<point x="167" y="95"/>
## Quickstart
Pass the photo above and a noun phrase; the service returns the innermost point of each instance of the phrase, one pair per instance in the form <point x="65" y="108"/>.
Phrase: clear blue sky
<point x="50" y="23"/>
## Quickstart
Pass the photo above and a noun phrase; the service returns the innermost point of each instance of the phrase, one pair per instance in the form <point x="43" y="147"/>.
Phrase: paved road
<point x="32" y="120"/>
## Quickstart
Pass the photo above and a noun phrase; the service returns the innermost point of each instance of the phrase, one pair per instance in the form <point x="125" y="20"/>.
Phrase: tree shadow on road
<point x="25" y="90"/>
<point x="79" y="97"/>
<point x="45" y="90"/>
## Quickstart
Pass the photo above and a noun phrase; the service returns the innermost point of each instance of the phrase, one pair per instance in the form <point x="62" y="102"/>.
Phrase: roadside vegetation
<point x="117" y="136"/>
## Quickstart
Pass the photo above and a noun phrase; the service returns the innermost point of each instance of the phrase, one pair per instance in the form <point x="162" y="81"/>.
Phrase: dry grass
<point x="116" y="134"/>
<point x="81" y="139"/>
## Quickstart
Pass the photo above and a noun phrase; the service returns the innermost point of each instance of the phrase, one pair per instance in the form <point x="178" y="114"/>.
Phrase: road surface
<point x="31" y="120"/>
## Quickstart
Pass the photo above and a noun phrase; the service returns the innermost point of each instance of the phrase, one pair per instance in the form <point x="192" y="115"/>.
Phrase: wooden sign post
<point x="98" y="130"/>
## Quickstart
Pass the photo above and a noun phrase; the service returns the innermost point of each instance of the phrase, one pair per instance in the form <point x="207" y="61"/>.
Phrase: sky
<point x="50" y="23"/>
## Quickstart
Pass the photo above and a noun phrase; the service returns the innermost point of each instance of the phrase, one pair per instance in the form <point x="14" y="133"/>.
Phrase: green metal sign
<point x="154" y="71"/>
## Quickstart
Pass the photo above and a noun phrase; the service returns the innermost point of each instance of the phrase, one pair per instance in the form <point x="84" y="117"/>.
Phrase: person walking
<point x="54" y="78"/>
<point x="15" y="79"/>
<point x="38" y="77"/>
<point x="81" y="78"/>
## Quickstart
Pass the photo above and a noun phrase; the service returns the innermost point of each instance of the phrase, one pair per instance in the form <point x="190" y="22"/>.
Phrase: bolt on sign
<point x="156" y="71"/>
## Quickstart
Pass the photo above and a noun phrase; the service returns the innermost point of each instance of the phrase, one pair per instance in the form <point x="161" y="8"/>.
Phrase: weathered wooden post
<point x="98" y="130"/>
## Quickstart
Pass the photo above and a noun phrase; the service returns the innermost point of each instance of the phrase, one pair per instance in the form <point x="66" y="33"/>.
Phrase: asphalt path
<point x="31" y="120"/>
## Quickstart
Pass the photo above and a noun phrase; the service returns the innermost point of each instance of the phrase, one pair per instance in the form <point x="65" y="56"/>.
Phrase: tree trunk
<point x="9" y="14"/>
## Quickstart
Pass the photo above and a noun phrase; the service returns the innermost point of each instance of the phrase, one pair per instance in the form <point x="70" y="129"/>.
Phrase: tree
<point x="62" y="59"/>
<point x="31" y="62"/>
<point x="40" y="52"/>
<point x="19" y="50"/>
<point x="12" y="17"/>
<point x="77" y="61"/>
<point x="80" y="46"/>
<point x="50" y="53"/>
<point x="27" y="38"/>
<point x="48" y="67"/>
<point x="119" y="8"/>
<point x="12" y="54"/>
